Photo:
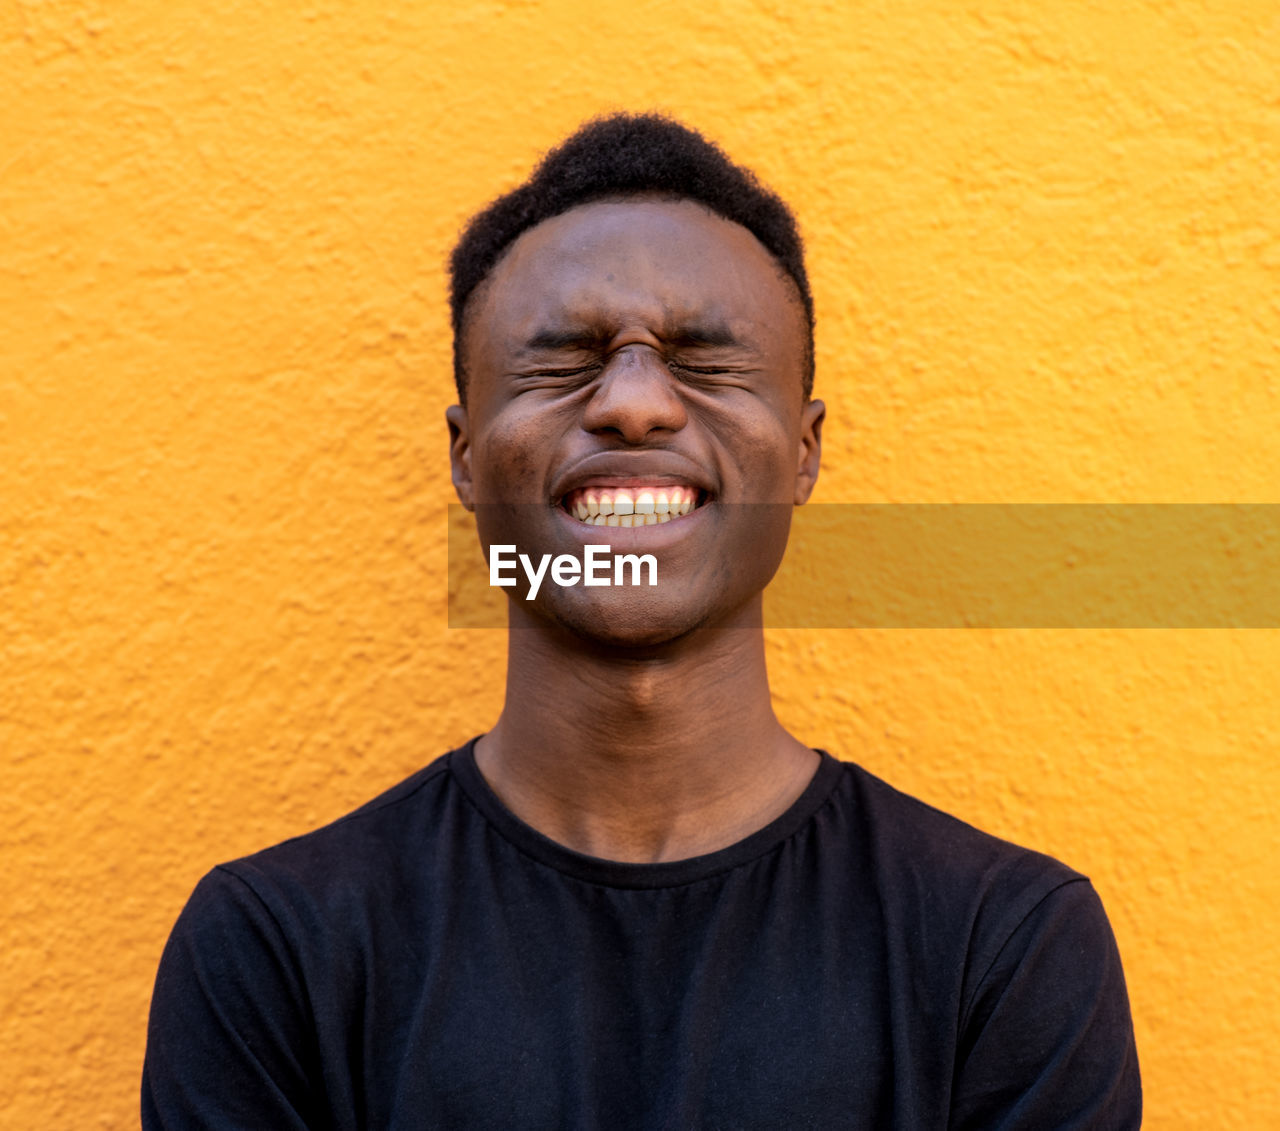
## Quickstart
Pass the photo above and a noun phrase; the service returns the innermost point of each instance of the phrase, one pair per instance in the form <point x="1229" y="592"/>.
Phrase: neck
<point x="645" y="756"/>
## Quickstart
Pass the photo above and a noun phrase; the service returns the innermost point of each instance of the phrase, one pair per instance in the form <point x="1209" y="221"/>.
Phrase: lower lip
<point x="654" y="537"/>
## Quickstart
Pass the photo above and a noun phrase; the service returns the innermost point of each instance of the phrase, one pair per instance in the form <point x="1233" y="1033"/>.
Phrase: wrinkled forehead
<point x="670" y="263"/>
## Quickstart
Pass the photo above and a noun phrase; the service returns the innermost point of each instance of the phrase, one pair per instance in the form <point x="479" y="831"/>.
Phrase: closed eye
<point x="567" y="377"/>
<point x="575" y="372"/>
<point x="710" y="374"/>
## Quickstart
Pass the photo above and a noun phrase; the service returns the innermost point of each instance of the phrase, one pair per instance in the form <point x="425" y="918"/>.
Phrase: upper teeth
<point x="630" y="506"/>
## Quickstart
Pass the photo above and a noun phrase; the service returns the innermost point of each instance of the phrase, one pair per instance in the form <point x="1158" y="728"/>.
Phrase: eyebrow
<point x="576" y="338"/>
<point x="704" y="334"/>
<point x="689" y="335"/>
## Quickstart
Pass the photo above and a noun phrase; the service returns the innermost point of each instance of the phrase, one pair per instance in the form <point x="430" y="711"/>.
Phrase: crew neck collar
<point x="622" y="874"/>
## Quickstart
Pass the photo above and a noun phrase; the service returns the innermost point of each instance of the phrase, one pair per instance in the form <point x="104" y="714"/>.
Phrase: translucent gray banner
<point x="970" y="565"/>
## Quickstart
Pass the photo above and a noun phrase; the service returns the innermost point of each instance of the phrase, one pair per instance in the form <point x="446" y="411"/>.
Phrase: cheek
<point x="511" y="458"/>
<point x="760" y="454"/>
<point x="506" y="472"/>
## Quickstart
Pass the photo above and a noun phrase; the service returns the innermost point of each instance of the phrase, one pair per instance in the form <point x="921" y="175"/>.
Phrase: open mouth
<point x="632" y="506"/>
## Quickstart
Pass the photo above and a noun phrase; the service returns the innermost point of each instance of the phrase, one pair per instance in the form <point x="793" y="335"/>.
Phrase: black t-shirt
<point x="430" y="961"/>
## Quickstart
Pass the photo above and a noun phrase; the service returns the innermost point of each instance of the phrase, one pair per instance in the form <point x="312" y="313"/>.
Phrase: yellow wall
<point x="1045" y="250"/>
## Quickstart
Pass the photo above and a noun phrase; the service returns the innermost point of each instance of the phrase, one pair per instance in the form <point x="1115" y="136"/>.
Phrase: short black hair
<point x="622" y="155"/>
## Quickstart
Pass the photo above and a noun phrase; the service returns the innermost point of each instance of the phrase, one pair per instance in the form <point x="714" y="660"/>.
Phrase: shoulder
<point x="948" y="893"/>
<point x="269" y="961"/>
<point x="359" y="840"/>
<point x="317" y="889"/>
<point x="1020" y="949"/>
<point x="925" y="849"/>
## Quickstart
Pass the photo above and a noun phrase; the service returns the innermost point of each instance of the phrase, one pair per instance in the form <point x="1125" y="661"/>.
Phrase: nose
<point x="636" y="396"/>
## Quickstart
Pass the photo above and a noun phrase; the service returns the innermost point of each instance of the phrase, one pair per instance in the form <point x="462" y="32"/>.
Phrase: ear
<point x="460" y="454"/>
<point x="810" y="455"/>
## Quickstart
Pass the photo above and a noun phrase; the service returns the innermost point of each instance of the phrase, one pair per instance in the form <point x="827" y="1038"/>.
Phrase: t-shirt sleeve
<point x="229" y="1043"/>
<point x="1047" y="1039"/>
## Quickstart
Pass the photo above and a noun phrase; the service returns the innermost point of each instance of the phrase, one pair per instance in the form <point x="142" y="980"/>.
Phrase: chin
<point x="630" y="623"/>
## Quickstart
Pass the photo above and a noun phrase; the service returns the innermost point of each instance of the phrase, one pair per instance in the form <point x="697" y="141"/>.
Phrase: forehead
<point x="664" y="262"/>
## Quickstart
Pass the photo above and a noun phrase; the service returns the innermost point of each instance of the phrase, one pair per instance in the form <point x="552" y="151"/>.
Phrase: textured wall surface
<point x="1045" y="251"/>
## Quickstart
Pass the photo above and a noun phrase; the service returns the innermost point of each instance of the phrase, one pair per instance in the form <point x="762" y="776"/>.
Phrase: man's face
<point x="625" y="351"/>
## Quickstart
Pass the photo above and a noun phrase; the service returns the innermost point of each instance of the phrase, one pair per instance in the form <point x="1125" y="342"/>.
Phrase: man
<point x="637" y="901"/>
